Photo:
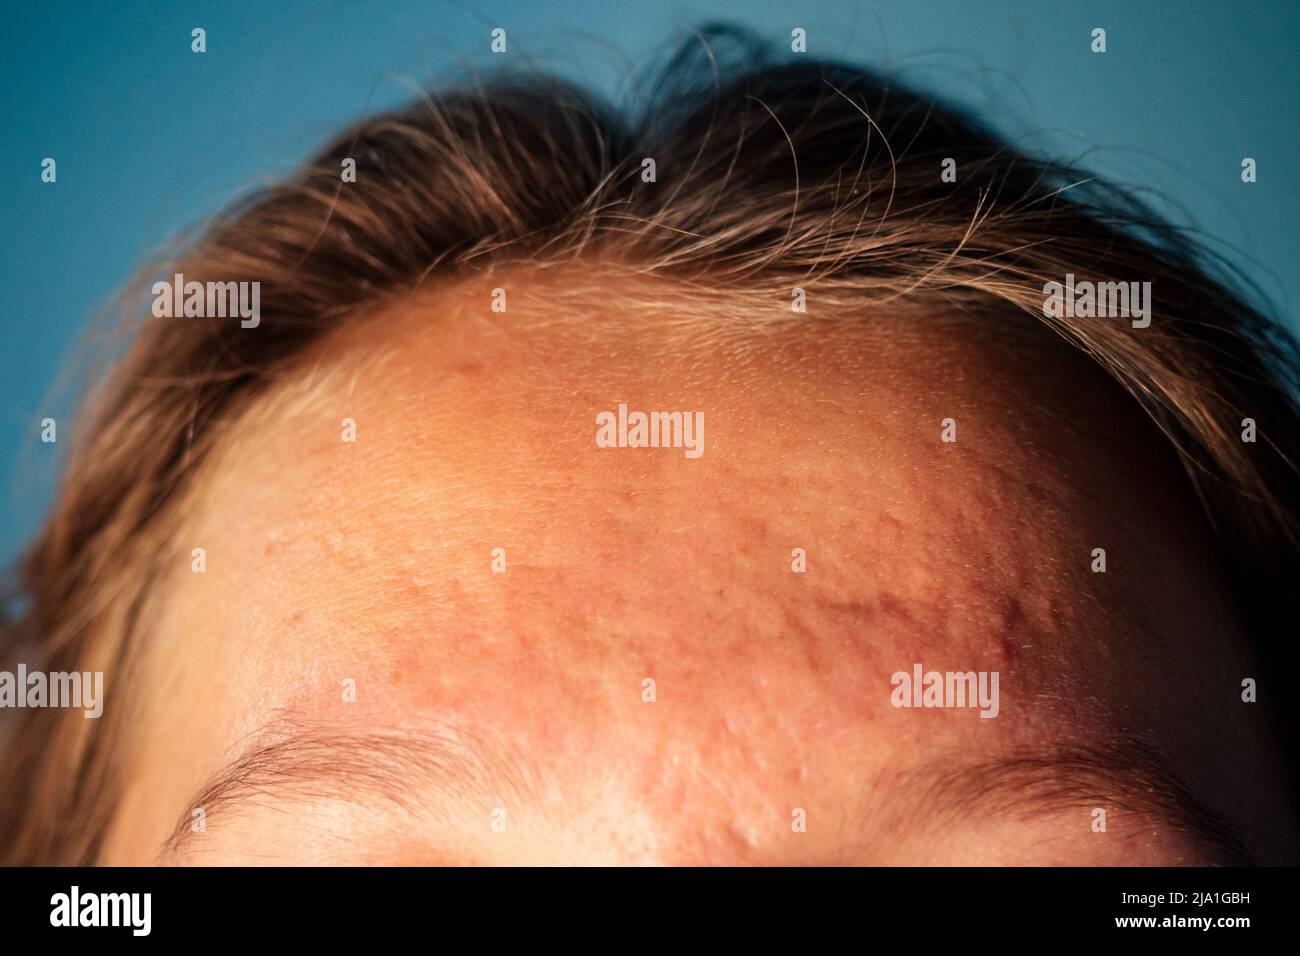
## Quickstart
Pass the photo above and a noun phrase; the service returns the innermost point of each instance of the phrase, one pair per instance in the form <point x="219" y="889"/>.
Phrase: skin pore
<point x="479" y="692"/>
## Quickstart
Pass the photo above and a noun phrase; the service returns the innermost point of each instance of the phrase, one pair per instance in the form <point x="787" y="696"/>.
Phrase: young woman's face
<point x="474" y="635"/>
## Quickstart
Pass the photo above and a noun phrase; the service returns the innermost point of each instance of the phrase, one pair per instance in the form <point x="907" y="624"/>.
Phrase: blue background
<point x="150" y="137"/>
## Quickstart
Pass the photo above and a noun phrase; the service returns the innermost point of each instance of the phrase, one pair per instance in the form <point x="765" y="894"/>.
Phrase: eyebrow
<point x="1119" y="772"/>
<point x="423" y="769"/>
<point x="415" y="769"/>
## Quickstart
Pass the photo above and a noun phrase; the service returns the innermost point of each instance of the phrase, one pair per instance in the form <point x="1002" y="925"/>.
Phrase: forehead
<point x="424" y="512"/>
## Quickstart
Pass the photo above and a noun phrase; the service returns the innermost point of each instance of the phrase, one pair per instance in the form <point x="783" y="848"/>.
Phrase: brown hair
<point x="768" y="176"/>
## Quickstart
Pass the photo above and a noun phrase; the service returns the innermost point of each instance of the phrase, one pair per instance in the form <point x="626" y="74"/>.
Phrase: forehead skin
<point x="330" y="561"/>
